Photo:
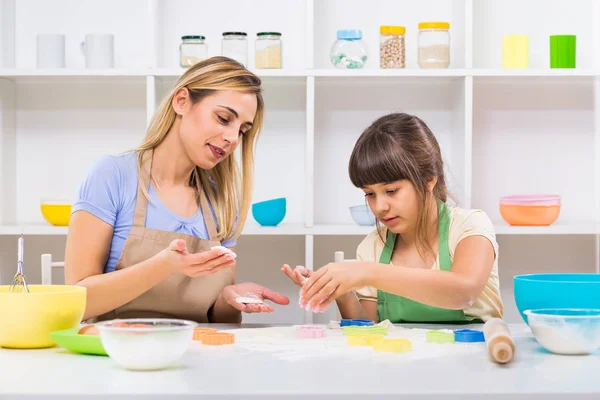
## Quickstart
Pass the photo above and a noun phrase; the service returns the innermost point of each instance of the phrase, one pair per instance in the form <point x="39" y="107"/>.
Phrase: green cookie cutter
<point x="440" y="337"/>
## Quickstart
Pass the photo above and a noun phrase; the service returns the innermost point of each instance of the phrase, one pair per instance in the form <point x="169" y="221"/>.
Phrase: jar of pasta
<point x="268" y="50"/>
<point x="434" y="45"/>
<point x="192" y="49"/>
<point x="392" y="47"/>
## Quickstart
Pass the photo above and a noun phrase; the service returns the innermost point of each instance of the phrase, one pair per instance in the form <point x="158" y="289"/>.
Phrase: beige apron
<point x="178" y="296"/>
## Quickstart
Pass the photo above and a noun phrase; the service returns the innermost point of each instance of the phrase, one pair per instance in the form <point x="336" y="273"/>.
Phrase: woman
<point x="445" y="263"/>
<point x="153" y="231"/>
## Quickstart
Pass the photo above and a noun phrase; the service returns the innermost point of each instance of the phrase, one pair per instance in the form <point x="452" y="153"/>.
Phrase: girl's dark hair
<point x="400" y="146"/>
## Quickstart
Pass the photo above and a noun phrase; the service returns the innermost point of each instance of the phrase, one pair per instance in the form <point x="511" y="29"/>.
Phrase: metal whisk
<point x="19" y="285"/>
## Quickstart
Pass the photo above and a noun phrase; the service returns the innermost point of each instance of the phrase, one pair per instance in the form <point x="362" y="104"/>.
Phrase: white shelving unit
<point x="501" y="131"/>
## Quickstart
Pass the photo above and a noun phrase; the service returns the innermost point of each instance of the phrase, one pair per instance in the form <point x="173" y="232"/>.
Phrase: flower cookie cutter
<point x="310" y="332"/>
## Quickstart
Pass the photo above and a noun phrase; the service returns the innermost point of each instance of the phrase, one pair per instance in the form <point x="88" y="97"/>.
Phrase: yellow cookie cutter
<point x="363" y="340"/>
<point x="365" y="330"/>
<point x="392" y="345"/>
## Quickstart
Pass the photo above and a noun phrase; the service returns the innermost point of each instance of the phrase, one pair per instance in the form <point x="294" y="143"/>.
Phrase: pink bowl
<point x="531" y="200"/>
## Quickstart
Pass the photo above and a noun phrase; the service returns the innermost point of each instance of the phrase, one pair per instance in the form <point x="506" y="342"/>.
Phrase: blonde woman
<point x="153" y="231"/>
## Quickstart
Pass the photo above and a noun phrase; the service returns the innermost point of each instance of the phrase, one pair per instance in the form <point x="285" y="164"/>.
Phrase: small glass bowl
<point x="570" y="331"/>
<point x="146" y="343"/>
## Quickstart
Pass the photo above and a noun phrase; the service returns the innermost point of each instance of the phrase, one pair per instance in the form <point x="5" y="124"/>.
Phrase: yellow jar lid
<point x="434" y="25"/>
<point x="392" y="30"/>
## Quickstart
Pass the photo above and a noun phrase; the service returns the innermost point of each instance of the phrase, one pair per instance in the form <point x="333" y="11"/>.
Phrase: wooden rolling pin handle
<point x="501" y="347"/>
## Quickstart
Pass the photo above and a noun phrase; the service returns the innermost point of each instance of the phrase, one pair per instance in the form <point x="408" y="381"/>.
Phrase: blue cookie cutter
<point x="356" y="322"/>
<point x="468" y="336"/>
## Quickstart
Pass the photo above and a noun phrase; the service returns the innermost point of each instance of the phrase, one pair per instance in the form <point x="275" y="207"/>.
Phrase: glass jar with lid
<point x="392" y="46"/>
<point x="192" y="49"/>
<point x="235" y="45"/>
<point x="434" y="45"/>
<point x="349" y="51"/>
<point x="268" y="50"/>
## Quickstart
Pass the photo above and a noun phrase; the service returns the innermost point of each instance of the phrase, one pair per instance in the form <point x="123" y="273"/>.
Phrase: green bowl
<point x="71" y="340"/>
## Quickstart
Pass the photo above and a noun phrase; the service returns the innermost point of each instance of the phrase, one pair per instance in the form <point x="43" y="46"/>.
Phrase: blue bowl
<point x="362" y="215"/>
<point x="269" y="212"/>
<point x="535" y="291"/>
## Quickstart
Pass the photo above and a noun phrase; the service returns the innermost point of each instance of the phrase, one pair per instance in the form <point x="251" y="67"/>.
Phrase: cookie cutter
<point x="392" y="345"/>
<point x="199" y="332"/>
<point x="363" y="340"/>
<point x="365" y="330"/>
<point x="218" y="338"/>
<point x="356" y="322"/>
<point x="440" y="337"/>
<point x="468" y="336"/>
<point x="310" y="332"/>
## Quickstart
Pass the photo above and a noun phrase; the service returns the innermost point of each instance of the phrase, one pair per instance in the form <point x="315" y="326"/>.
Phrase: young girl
<point x="426" y="261"/>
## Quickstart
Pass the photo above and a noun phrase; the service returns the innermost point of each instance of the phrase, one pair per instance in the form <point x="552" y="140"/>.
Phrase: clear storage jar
<point x="235" y="45"/>
<point x="268" y="50"/>
<point x="349" y="51"/>
<point x="392" y="53"/>
<point x="192" y="49"/>
<point x="434" y="45"/>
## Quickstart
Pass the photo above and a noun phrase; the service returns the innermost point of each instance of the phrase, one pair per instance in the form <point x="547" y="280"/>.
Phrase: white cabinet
<point x="501" y="131"/>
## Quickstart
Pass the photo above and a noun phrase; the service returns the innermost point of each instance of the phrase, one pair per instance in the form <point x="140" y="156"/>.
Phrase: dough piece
<point x="225" y="249"/>
<point x="249" y="300"/>
<point x="89" y="330"/>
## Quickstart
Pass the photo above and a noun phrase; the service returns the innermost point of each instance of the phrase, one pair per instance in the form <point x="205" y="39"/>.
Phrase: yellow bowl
<point x="57" y="214"/>
<point x="28" y="318"/>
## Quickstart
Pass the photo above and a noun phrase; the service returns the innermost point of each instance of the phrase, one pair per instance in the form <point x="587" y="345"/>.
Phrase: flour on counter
<point x="281" y="343"/>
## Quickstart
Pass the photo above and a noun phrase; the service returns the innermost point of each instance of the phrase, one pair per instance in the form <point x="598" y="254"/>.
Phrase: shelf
<point x="319" y="73"/>
<point x="555" y="229"/>
<point x="253" y="229"/>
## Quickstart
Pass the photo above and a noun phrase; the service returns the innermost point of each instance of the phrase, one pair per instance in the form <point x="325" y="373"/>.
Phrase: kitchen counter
<point x="227" y="372"/>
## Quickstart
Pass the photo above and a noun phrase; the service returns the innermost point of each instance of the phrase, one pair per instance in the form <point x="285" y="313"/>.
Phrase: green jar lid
<point x="235" y="34"/>
<point x="268" y="34"/>
<point x="192" y="37"/>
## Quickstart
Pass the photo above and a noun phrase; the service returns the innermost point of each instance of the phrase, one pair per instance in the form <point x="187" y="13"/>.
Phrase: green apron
<point x="400" y="309"/>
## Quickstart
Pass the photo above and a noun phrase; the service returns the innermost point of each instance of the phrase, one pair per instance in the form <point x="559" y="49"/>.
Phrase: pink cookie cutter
<point x="310" y="332"/>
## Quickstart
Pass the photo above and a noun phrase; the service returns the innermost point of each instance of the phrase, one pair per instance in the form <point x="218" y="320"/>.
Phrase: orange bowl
<point x="529" y="215"/>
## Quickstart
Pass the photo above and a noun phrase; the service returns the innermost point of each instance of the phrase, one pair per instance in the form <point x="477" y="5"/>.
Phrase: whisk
<point x="19" y="285"/>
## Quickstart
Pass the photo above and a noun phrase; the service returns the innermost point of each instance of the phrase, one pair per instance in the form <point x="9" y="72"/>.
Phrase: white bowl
<point x="362" y="215"/>
<point x="566" y="331"/>
<point x="157" y="345"/>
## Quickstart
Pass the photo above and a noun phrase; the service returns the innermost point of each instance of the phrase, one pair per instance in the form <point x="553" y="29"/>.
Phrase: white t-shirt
<point x="463" y="223"/>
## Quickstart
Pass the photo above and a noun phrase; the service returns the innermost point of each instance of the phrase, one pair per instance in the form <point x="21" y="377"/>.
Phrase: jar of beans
<point x="434" y="45"/>
<point x="392" y="46"/>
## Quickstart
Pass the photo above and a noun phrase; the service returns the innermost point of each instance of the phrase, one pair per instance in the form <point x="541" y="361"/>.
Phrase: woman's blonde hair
<point x="202" y="80"/>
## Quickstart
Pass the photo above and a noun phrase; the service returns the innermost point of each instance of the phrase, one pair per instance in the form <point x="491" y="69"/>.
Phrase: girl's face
<point x="394" y="204"/>
<point x="211" y="129"/>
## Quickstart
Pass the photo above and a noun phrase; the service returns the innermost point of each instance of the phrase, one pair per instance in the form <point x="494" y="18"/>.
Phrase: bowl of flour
<point x="569" y="331"/>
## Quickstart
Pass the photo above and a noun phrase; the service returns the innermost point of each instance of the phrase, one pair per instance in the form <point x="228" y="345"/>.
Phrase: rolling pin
<point x="500" y="345"/>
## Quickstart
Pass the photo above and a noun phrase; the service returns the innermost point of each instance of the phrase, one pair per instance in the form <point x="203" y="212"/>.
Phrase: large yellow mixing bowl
<point x="56" y="214"/>
<point x="26" y="319"/>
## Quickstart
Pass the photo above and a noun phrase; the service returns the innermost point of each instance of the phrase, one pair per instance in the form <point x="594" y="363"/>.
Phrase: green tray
<point x="82" y="344"/>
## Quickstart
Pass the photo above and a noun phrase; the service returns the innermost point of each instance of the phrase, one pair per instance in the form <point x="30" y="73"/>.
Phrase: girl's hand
<point x="299" y="275"/>
<point x="178" y="260"/>
<point x="248" y="289"/>
<point x="330" y="282"/>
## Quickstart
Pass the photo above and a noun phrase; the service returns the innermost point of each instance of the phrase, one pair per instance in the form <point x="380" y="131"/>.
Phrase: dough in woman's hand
<point x="225" y="249"/>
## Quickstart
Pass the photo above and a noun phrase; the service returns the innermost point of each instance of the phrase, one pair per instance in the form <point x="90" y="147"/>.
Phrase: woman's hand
<point x="299" y="275"/>
<point x="330" y="282"/>
<point x="193" y="265"/>
<point x="248" y="289"/>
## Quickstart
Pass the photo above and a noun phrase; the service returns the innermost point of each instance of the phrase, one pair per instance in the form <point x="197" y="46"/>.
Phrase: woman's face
<point x="211" y="129"/>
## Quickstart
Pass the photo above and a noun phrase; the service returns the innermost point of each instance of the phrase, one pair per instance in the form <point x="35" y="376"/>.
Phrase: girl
<point x="152" y="232"/>
<point x="428" y="262"/>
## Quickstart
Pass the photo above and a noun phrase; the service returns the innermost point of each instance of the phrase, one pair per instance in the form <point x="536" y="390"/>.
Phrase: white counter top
<point x="235" y="371"/>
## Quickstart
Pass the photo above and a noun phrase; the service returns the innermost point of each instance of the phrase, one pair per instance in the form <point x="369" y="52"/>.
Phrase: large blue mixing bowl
<point x="536" y="291"/>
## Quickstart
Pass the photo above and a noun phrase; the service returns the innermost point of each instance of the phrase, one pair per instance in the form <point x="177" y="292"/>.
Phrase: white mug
<point x="50" y="51"/>
<point x="98" y="50"/>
